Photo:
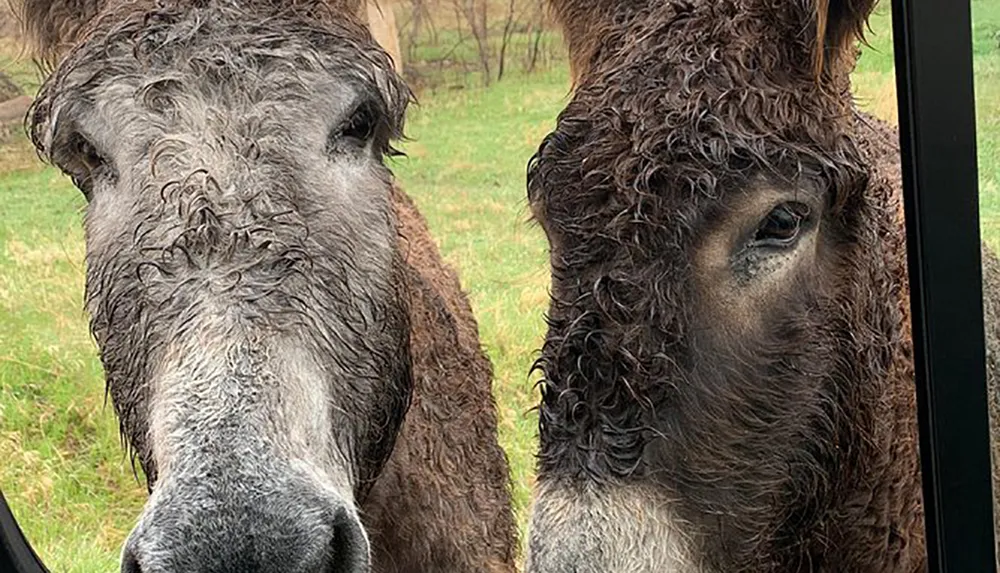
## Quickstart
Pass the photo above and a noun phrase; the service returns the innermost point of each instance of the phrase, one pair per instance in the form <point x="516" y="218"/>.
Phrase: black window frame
<point x="16" y="554"/>
<point x="937" y="132"/>
<point x="935" y="90"/>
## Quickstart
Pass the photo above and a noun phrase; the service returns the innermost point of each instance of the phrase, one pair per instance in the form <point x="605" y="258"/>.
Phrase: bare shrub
<point x="455" y="43"/>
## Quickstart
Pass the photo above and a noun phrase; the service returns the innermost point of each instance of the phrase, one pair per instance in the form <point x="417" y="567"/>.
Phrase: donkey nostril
<point x="348" y="548"/>
<point x="130" y="564"/>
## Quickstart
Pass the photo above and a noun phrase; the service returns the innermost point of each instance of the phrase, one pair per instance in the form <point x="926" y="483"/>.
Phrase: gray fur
<point x="614" y="528"/>
<point x="242" y="275"/>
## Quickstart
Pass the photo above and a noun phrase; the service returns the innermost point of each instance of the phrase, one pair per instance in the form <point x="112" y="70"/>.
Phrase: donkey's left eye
<point x="782" y="225"/>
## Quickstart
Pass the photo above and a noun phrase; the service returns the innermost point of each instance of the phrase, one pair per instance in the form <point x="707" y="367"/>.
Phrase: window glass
<point x="689" y="395"/>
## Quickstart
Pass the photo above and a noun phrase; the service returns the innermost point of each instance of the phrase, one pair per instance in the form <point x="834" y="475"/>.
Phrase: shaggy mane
<point x="586" y="23"/>
<point x="52" y="27"/>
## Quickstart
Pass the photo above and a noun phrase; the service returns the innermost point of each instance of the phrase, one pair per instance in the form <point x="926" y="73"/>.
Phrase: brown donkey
<point x="728" y="375"/>
<point x="293" y="365"/>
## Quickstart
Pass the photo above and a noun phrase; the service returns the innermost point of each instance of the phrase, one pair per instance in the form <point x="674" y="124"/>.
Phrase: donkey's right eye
<point x="81" y="160"/>
<point x="782" y="225"/>
<point x="357" y="130"/>
<point x="361" y="125"/>
<point x="364" y="128"/>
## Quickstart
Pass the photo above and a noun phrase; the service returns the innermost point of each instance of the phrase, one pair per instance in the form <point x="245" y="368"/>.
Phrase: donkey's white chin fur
<point x="618" y="529"/>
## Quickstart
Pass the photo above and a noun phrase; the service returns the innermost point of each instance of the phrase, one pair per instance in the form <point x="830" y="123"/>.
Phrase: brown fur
<point x="891" y="511"/>
<point x="442" y="502"/>
<point x="52" y="28"/>
<point x="677" y="104"/>
<point x="991" y="318"/>
<point x="583" y="25"/>
<point x="839" y="23"/>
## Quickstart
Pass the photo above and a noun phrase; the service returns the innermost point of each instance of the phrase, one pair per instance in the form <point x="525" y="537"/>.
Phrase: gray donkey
<point x="294" y="367"/>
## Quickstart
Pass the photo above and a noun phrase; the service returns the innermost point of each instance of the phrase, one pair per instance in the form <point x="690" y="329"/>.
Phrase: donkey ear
<point x="52" y="26"/>
<point x="839" y="24"/>
<point x="580" y="25"/>
<point x="584" y="24"/>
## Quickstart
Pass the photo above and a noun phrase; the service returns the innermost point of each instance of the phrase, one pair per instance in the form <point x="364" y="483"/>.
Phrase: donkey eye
<point x="81" y="160"/>
<point x="362" y="124"/>
<point x="782" y="225"/>
<point x="359" y="128"/>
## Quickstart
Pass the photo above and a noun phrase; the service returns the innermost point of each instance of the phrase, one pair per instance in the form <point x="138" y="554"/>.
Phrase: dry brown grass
<point x="17" y="155"/>
<point x="876" y="93"/>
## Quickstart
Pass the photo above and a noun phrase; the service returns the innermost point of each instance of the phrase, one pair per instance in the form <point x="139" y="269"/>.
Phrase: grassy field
<point x="63" y="469"/>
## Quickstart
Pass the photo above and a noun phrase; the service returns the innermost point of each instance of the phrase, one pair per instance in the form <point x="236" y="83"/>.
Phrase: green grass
<point x="63" y="469"/>
<point x="986" y="54"/>
<point x="875" y="89"/>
